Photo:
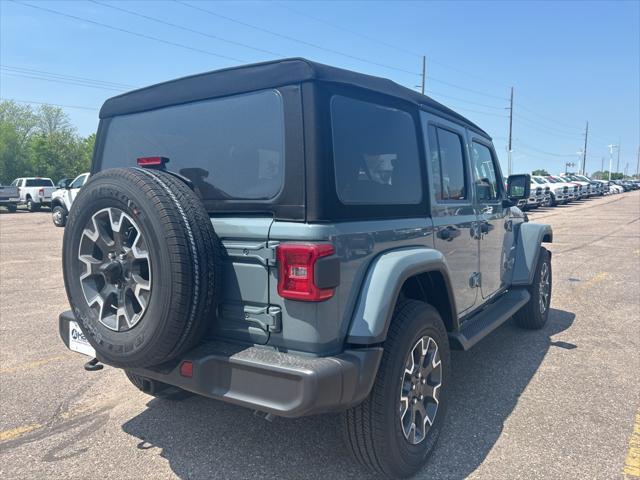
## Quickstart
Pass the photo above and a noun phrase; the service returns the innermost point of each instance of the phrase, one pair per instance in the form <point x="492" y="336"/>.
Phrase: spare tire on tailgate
<point x="140" y="270"/>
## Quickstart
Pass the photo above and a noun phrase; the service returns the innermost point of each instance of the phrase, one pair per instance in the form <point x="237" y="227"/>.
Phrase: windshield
<point x="552" y="180"/>
<point x="39" y="182"/>
<point x="538" y="180"/>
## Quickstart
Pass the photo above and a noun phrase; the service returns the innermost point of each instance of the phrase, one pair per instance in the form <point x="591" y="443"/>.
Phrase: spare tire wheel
<point x="140" y="266"/>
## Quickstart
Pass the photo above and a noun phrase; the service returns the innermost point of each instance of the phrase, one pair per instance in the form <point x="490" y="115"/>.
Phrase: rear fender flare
<point x="381" y="288"/>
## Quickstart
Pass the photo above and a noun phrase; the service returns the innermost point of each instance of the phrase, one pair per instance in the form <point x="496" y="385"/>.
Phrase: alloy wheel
<point x="420" y="390"/>
<point x="115" y="269"/>
<point x="544" y="289"/>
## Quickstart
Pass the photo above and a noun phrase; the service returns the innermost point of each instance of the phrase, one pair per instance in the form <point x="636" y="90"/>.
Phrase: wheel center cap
<point x="112" y="271"/>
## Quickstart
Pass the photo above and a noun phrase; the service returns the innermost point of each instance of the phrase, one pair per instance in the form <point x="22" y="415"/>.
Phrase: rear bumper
<point x="284" y="384"/>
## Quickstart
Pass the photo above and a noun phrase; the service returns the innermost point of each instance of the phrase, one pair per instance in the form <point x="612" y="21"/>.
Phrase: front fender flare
<point x="381" y="287"/>
<point x="529" y="238"/>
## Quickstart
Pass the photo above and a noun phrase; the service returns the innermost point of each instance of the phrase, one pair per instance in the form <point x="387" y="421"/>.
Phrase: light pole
<point x="611" y="147"/>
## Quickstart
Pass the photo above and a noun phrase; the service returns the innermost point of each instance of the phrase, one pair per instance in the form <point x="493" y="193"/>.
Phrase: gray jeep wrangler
<point x="299" y="239"/>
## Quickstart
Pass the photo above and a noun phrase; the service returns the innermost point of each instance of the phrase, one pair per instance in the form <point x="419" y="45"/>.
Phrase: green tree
<point x="540" y="171"/>
<point x="604" y="175"/>
<point x="40" y="142"/>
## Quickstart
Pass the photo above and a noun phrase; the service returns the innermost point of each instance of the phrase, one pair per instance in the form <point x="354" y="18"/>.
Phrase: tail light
<point x="297" y="264"/>
<point x="41" y="192"/>
<point x="152" y="161"/>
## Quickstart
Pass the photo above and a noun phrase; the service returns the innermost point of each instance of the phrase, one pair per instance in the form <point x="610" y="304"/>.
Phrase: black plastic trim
<point x="284" y="384"/>
<point x="327" y="272"/>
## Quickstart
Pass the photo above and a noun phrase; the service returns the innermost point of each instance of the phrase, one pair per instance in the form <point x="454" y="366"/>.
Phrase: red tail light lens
<point x="152" y="161"/>
<point x="296" y="264"/>
<point x="186" y="369"/>
<point x="41" y="192"/>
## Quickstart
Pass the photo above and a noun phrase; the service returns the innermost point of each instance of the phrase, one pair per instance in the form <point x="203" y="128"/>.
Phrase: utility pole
<point x="510" y="128"/>
<point x="602" y="164"/>
<point x="424" y="72"/>
<point x="611" y="147"/>
<point x="638" y="164"/>
<point x="584" y="151"/>
<point x="618" y="162"/>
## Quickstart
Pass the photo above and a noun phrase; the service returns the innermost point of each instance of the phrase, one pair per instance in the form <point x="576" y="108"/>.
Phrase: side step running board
<point x="487" y="320"/>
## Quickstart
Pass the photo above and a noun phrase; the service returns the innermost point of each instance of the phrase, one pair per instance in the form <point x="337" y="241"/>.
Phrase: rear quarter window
<point x="39" y="182"/>
<point x="375" y="153"/>
<point x="230" y="148"/>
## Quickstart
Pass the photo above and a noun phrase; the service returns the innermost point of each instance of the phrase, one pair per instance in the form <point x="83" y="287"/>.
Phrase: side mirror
<point x="519" y="186"/>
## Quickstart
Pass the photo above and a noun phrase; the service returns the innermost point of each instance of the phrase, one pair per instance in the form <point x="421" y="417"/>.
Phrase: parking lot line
<point x="30" y="365"/>
<point x="16" y="432"/>
<point x="632" y="463"/>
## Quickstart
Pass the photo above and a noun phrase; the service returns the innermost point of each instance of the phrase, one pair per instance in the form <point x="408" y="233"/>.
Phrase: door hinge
<point x="475" y="280"/>
<point x="264" y="252"/>
<point x="268" y="318"/>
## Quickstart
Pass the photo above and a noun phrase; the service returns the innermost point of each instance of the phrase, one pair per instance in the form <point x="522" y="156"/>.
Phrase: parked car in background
<point x="9" y="197"/>
<point x="573" y="189"/>
<point x="536" y="196"/>
<point x="64" y="182"/>
<point x="558" y="193"/>
<point x="604" y="185"/>
<point x="596" y="187"/>
<point x="614" y="188"/>
<point x="584" y="187"/>
<point x="587" y="188"/>
<point x="35" y="192"/>
<point x="63" y="197"/>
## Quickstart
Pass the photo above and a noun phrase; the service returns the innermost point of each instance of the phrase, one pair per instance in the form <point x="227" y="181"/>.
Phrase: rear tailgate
<point x="9" y="193"/>
<point x="244" y="312"/>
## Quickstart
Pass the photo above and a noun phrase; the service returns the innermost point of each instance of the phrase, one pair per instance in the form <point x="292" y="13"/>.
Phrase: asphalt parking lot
<point x="557" y="403"/>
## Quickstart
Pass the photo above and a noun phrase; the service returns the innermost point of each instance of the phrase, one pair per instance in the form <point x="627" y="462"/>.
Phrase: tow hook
<point x="93" y="365"/>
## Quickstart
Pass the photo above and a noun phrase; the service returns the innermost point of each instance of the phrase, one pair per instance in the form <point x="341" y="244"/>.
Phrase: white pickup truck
<point x="35" y="192"/>
<point x="63" y="197"/>
<point x="9" y="197"/>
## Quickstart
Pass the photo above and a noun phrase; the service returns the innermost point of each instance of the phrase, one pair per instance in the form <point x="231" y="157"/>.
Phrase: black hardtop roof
<point x="258" y="76"/>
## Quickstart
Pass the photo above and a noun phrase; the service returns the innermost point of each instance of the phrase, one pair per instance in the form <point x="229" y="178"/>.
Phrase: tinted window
<point x="446" y="152"/>
<point x="230" y="148"/>
<point x="78" y="182"/>
<point x="375" y="152"/>
<point x="15" y="183"/>
<point x="39" y="182"/>
<point x="484" y="170"/>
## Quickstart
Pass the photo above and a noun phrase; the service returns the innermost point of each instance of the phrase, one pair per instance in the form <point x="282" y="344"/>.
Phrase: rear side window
<point x="230" y="148"/>
<point x="446" y="154"/>
<point x="39" y="182"/>
<point x="375" y="152"/>
<point x="486" y="179"/>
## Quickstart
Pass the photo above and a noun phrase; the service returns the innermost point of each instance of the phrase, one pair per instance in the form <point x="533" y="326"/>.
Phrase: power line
<point x="353" y="32"/>
<point x="378" y="41"/>
<point x="492" y="114"/>
<point x="548" y="131"/>
<point x="431" y="93"/>
<point x="47" y="103"/>
<point x="65" y="76"/>
<point x="187" y="29"/>
<point x="137" y="34"/>
<point x="470" y="90"/>
<point x="292" y="39"/>
<point x="57" y="80"/>
<point x="537" y="150"/>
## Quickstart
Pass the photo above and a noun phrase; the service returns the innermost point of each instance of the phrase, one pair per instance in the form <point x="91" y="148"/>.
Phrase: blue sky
<point x="568" y="62"/>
